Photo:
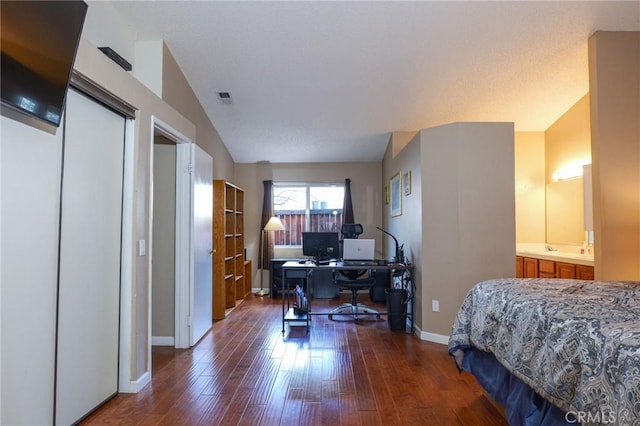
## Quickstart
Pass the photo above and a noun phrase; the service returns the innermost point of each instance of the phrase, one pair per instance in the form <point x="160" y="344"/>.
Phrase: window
<point x="307" y="207"/>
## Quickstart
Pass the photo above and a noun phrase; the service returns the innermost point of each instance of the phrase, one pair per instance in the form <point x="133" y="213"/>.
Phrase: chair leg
<point x="354" y="308"/>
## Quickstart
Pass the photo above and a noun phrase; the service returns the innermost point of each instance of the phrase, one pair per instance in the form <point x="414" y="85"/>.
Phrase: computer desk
<point x="401" y="278"/>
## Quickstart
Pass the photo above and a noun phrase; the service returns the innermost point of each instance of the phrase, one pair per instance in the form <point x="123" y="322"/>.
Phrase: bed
<point x="554" y="351"/>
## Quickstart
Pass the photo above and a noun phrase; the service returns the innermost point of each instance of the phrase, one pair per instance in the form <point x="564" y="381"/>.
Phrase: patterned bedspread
<point x="576" y="343"/>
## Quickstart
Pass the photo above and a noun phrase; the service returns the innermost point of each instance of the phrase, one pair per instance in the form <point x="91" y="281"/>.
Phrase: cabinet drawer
<point x="546" y="268"/>
<point x="565" y="270"/>
<point x="530" y="267"/>
<point x="584" y="272"/>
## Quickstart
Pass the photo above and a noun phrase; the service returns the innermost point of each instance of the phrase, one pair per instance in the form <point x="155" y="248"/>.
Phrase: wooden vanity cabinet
<point x="529" y="267"/>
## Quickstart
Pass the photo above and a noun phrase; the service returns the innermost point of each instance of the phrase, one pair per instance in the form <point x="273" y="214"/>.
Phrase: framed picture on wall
<point x="386" y="194"/>
<point x="396" y="194"/>
<point x="406" y="183"/>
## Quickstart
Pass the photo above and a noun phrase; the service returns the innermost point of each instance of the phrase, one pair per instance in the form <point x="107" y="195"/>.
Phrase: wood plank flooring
<point x="246" y="372"/>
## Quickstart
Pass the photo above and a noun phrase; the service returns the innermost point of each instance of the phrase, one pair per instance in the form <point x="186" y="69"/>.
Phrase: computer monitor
<point x="321" y="245"/>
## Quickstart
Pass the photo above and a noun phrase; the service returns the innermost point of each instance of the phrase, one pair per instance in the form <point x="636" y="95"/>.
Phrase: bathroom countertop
<point x="558" y="256"/>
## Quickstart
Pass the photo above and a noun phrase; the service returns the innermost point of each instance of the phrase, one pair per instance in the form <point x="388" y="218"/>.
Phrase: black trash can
<point x="397" y="308"/>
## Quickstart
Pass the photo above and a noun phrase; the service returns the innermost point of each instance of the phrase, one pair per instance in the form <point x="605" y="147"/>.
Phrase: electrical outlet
<point x="435" y="305"/>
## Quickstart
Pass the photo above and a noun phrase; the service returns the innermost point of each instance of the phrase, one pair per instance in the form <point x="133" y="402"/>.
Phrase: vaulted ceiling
<point x="329" y="81"/>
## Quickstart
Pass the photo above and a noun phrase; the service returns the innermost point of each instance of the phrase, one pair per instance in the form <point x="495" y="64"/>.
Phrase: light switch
<point x="142" y="247"/>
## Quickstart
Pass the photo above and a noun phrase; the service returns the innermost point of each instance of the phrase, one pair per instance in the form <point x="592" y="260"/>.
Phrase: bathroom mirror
<point x="565" y="212"/>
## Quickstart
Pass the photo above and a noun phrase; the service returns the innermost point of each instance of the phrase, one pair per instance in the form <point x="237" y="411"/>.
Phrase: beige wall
<point x="568" y="140"/>
<point x="465" y="213"/>
<point x="567" y="143"/>
<point x="164" y="221"/>
<point x="530" y="187"/>
<point x="408" y="227"/>
<point x="614" y="81"/>
<point x="366" y="189"/>
<point x="177" y="93"/>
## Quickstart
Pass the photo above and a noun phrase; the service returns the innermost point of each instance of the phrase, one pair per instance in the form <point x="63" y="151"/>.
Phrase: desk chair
<point x="353" y="280"/>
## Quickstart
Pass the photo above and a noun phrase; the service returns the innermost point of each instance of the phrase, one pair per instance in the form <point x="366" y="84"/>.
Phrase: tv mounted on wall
<point x="39" y="44"/>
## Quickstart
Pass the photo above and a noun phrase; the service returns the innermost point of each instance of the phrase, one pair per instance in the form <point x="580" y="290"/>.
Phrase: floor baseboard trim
<point x="435" y="338"/>
<point x="432" y="337"/>
<point x="163" y="341"/>
<point x="135" y="386"/>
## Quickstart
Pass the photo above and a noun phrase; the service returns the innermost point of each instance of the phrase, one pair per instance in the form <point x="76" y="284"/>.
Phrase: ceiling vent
<point x="225" y="97"/>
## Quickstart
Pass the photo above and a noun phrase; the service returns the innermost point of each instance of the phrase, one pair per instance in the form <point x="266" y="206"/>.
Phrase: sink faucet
<point x="549" y="248"/>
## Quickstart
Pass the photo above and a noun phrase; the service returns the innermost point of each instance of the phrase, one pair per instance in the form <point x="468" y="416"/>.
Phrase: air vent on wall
<point x="225" y="97"/>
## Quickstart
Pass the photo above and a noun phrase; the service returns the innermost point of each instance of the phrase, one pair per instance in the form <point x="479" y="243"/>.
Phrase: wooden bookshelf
<point x="229" y="286"/>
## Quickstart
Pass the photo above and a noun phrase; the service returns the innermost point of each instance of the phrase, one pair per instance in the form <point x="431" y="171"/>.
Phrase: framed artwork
<point x="386" y="194"/>
<point x="406" y="183"/>
<point x="396" y="195"/>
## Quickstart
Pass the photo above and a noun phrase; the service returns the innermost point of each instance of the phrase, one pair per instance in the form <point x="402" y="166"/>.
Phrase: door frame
<point x="184" y="250"/>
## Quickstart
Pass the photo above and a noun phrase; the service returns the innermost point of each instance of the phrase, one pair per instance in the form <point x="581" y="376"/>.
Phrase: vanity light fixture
<point x="571" y="171"/>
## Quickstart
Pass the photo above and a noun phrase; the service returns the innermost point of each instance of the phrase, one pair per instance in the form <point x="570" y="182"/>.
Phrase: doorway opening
<point x="163" y="265"/>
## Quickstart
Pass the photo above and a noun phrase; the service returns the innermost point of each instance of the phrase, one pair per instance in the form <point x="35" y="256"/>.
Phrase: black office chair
<point x="353" y="280"/>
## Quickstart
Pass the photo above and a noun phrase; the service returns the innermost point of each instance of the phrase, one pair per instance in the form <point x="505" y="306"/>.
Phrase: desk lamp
<point x="399" y="248"/>
<point x="274" y="224"/>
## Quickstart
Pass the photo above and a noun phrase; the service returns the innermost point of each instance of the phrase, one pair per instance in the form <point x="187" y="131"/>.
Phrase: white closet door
<point x="203" y="244"/>
<point x="90" y="241"/>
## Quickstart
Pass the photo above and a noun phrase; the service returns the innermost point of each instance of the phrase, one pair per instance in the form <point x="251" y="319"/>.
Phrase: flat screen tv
<point x="321" y="245"/>
<point x="39" y="44"/>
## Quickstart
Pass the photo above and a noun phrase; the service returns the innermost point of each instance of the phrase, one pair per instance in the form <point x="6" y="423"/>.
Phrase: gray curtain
<point x="265" y="252"/>
<point x="347" y="206"/>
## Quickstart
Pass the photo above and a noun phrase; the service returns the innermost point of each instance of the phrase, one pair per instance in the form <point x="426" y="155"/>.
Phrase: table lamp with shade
<point x="274" y="224"/>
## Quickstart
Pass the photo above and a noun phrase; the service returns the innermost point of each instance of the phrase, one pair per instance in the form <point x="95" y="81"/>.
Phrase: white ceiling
<point x="329" y="81"/>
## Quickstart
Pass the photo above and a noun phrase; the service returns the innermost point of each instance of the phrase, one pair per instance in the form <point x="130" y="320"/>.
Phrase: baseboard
<point x="432" y="337"/>
<point x="135" y="386"/>
<point x="163" y="341"/>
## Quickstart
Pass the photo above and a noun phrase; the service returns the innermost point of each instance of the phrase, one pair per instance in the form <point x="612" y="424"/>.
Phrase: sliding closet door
<point x="90" y="241"/>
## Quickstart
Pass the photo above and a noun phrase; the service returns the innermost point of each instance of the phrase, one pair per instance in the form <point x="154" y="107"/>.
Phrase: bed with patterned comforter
<point x="575" y="343"/>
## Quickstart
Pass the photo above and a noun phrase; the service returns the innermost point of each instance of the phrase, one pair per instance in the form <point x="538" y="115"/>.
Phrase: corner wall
<point x="407" y="227"/>
<point x="614" y="84"/>
<point x="177" y="92"/>
<point x="530" y="187"/>
<point x="464" y="220"/>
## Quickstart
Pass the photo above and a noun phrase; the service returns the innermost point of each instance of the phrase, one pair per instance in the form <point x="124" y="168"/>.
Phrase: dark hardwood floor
<point x="245" y="372"/>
